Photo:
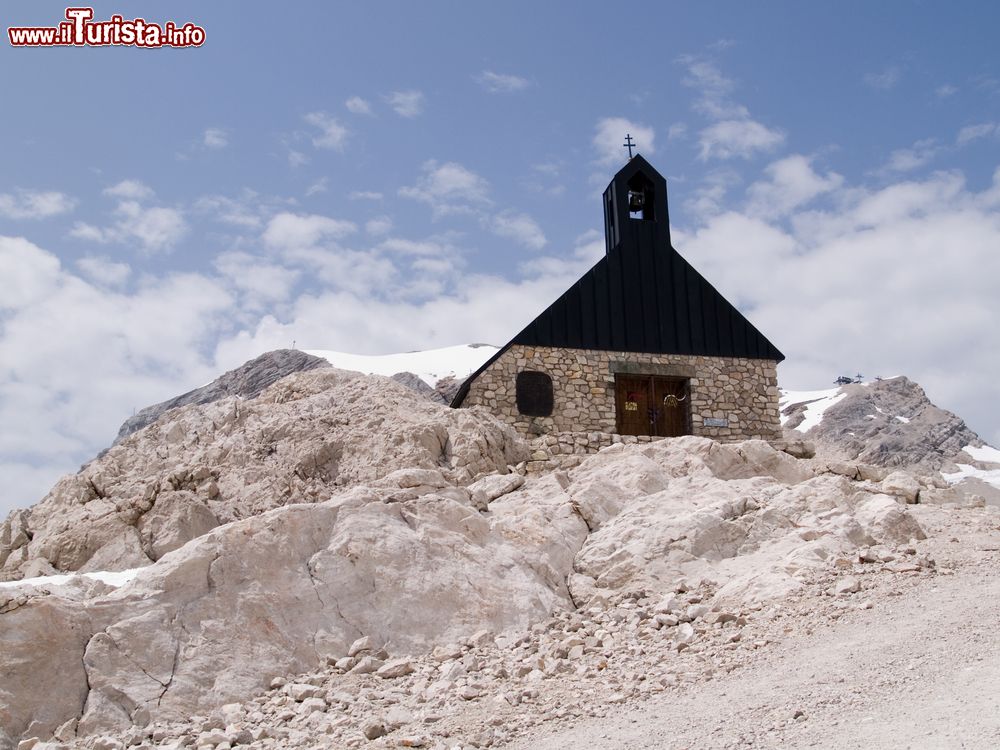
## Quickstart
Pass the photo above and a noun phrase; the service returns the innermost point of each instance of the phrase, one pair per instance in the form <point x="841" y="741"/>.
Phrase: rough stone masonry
<point x="740" y="392"/>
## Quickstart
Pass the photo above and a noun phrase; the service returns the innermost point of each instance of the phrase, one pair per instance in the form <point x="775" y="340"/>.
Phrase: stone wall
<point x="741" y="393"/>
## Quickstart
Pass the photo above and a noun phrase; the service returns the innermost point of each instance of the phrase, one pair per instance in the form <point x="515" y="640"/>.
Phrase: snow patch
<point x="987" y="454"/>
<point x="109" y="577"/>
<point x="817" y="402"/>
<point x="904" y="420"/>
<point x="990" y="476"/>
<point x="430" y="366"/>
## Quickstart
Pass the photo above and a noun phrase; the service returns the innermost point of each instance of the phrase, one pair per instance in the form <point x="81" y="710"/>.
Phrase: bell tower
<point x="635" y="208"/>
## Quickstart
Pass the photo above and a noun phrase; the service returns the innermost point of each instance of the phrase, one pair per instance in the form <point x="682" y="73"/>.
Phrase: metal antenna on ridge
<point x="629" y="144"/>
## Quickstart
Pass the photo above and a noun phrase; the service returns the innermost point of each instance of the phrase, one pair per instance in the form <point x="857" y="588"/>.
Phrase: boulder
<point x="887" y="521"/>
<point x="175" y="519"/>
<point x="902" y="484"/>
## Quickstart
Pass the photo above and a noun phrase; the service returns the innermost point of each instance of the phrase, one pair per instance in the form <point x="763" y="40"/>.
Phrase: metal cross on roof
<point x="629" y="144"/>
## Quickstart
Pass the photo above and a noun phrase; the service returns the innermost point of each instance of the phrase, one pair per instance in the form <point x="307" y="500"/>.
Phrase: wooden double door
<point x="652" y="405"/>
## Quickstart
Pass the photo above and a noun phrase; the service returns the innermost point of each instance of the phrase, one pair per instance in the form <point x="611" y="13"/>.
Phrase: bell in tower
<point x="635" y="207"/>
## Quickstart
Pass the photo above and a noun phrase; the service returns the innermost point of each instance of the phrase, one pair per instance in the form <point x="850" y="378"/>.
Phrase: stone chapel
<point x="641" y="345"/>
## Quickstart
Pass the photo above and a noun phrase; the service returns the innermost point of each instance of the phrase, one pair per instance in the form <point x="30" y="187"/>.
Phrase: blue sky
<point x="382" y="178"/>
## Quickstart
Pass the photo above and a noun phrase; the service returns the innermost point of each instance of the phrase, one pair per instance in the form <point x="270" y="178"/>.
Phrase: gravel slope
<point x="919" y="669"/>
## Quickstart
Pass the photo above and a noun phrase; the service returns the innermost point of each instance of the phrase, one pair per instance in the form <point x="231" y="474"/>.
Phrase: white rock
<point x="684" y="634"/>
<point x="695" y="611"/>
<point x="312" y="705"/>
<point x="489" y="488"/>
<point x="902" y="484"/>
<point x="299" y="691"/>
<point x="888" y="521"/>
<point x="367" y="665"/>
<point x="398" y="716"/>
<point x="395" y="668"/>
<point x="365" y="643"/>
<point x="345" y="663"/>
<point x="410" y="477"/>
<point x="671" y="604"/>
<point x="481" y="639"/>
<point x="175" y="519"/>
<point x="447" y="652"/>
<point x="847" y="585"/>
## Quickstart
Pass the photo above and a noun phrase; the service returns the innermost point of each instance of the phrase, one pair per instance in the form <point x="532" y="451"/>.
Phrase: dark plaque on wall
<point x="534" y="394"/>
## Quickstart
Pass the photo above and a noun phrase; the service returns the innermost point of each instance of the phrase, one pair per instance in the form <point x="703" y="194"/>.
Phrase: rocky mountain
<point x="201" y="465"/>
<point x="341" y="561"/>
<point x="436" y="373"/>
<point x="888" y="422"/>
<point x="246" y="381"/>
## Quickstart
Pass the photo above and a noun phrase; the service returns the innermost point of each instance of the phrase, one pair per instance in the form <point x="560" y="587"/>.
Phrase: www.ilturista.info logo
<point x="80" y="30"/>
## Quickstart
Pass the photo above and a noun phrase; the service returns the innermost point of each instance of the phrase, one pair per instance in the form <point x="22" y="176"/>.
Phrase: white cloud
<point x="296" y="158"/>
<point x="83" y="231"/>
<point x="320" y="186"/>
<point x="885" y="79"/>
<point x="288" y="231"/>
<point x="677" y="130"/>
<point x="908" y="159"/>
<point x="155" y="229"/>
<point x="791" y="182"/>
<point x="497" y="83"/>
<point x="259" y="281"/>
<point x="722" y="44"/>
<point x="103" y="271"/>
<point x="215" y="138"/>
<point x="332" y="135"/>
<point x="945" y="91"/>
<point x="238" y="213"/>
<point x="483" y="308"/>
<point x="737" y="138"/>
<point x="29" y="274"/>
<point x="130" y="190"/>
<point x="406" y="103"/>
<point x="365" y="195"/>
<point x="733" y="132"/>
<point x="519" y="227"/>
<point x="714" y="88"/>
<point x="709" y="198"/>
<point x="134" y="348"/>
<point x="378" y="226"/>
<point x="589" y="248"/>
<point x="361" y="273"/>
<point x="358" y="106"/>
<point x="864" y="286"/>
<point x="609" y="135"/>
<point x="448" y="188"/>
<point x="414" y="247"/>
<point x="972" y="132"/>
<point x="34" y="204"/>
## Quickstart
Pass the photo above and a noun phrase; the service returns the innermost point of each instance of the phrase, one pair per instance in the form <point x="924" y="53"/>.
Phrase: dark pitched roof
<point x="642" y="296"/>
